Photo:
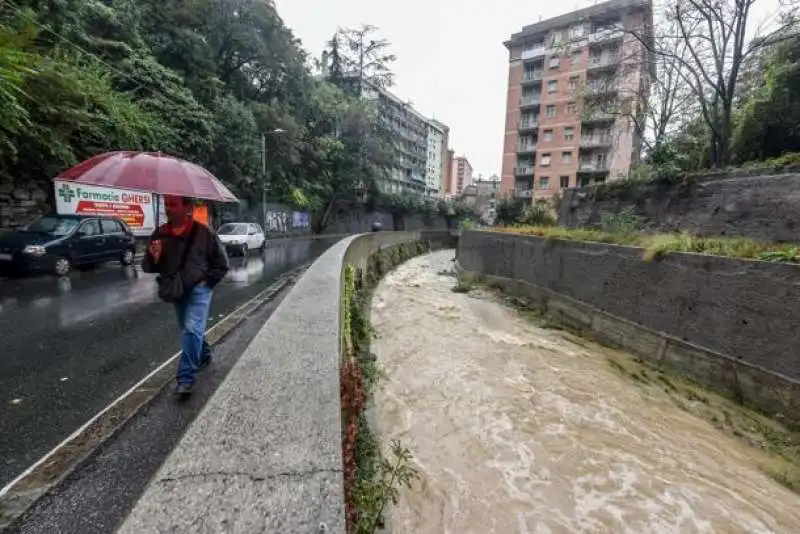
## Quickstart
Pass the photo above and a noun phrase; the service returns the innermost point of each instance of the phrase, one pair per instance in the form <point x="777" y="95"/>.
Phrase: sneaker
<point x="184" y="390"/>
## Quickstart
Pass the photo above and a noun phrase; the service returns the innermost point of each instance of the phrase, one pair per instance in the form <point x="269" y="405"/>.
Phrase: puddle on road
<point x="517" y="429"/>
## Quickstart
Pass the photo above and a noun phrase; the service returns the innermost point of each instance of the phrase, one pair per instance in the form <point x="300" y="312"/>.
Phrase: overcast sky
<point x="451" y="62"/>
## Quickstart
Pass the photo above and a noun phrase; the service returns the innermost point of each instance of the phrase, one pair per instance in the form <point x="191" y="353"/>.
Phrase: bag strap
<point x="188" y="247"/>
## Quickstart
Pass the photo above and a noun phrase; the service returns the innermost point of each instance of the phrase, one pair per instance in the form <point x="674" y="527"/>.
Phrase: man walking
<point x="190" y="261"/>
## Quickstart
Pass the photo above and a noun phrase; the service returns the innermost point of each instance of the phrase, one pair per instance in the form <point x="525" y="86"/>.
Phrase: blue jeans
<point x="192" y="311"/>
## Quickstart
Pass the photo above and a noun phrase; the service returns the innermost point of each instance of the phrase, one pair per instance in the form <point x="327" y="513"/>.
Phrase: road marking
<point x="27" y="496"/>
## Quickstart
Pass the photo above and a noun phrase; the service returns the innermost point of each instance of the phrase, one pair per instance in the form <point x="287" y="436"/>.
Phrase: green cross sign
<point x="66" y="193"/>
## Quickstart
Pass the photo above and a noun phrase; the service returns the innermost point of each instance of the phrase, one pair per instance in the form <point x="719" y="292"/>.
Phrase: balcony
<point x="596" y="141"/>
<point x="592" y="166"/>
<point x="524" y="171"/>
<point x="603" y="62"/>
<point x="530" y="100"/>
<point x="599" y="88"/>
<point x="532" y="76"/>
<point x="535" y="51"/>
<point x="607" y="34"/>
<point x="525" y="147"/>
<point x="523" y="193"/>
<point x="529" y="123"/>
<point x="599" y="116"/>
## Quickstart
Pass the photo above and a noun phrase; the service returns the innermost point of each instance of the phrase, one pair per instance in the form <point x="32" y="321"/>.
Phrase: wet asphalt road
<point x="97" y="497"/>
<point x="70" y="347"/>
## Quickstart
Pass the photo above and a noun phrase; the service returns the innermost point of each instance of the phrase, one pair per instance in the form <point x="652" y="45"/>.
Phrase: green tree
<point x="767" y="124"/>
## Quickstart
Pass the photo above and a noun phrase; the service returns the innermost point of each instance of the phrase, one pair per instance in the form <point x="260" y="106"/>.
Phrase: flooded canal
<point x="520" y="429"/>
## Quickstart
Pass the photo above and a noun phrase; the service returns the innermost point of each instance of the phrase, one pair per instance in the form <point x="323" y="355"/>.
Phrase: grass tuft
<point x="656" y="245"/>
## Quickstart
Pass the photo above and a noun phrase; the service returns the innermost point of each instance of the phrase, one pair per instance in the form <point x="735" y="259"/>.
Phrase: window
<point x="551" y="86"/>
<point x="576" y="57"/>
<point x="110" y="227"/>
<point x="544" y="182"/>
<point x="576" y="31"/>
<point x="569" y="133"/>
<point x="571" y="108"/>
<point x="90" y="228"/>
<point x="550" y="111"/>
<point x="573" y="82"/>
<point x="564" y="182"/>
<point x="547" y="135"/>
<point x="555" y="62"/>
<point x="545" y="162"/>
<point x="566" y="157"/>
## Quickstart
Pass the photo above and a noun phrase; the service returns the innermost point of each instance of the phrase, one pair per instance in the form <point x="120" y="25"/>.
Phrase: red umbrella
<point x="149" y="171"/>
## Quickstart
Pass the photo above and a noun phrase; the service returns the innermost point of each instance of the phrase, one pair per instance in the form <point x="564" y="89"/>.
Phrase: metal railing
<point x="593" y="166"/>
<point x="605" y="35"/>
<point x="595" y="141"/>
<point x="531" y="76"/>
<point x="529" y="123"/>
<point x="535" y="51"/>
<point x="524" y="171"/>
<point x="530" y="100"/>
<point x="526" y="147"/>
<point x="598" y="62"/>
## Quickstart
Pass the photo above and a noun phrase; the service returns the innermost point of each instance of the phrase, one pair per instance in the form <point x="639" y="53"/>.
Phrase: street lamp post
<point x="276" y="131"/>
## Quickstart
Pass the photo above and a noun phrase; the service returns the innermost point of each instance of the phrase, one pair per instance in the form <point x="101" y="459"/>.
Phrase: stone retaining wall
<point x="741" y="203"/>
<point x="265" y="453"/>
<point x="731" y="324"/>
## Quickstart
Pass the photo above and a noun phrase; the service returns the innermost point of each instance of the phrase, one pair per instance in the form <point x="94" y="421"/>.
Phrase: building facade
<point x="448" y="173"/>
<point x="435" y="160"/>
<point x="482" y="194"/>
<point x="461" y="175"/>
<point x="420" y="146"/>
<point x="575" y="82"/>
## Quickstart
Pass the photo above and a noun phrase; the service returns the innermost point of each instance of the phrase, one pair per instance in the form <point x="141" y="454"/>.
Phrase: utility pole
<point x="264" y="173"/>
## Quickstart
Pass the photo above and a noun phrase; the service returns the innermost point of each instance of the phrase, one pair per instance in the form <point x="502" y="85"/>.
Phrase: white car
<point x="241" y="237"/>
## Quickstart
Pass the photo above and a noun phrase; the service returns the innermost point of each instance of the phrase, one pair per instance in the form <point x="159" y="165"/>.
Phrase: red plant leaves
<point x="353" y="398"/>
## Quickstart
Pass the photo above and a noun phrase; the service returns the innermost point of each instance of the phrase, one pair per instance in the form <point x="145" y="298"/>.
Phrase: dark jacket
<point x="207" y="261"/>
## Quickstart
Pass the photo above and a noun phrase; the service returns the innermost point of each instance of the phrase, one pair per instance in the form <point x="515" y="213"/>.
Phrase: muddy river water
<point x="519" y="429"/>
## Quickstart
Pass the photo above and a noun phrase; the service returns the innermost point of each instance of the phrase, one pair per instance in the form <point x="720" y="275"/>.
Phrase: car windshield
<point x="53" y="225"/>
<point x="232" y="229"/>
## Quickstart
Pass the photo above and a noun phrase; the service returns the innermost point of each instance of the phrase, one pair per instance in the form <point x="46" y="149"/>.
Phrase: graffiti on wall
<point x="285" y="222"/>
<point x="301" y="219"/>
<point x="278" y="221"/>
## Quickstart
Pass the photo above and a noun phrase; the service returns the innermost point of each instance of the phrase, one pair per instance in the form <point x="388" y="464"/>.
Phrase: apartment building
<point x="460" y="176"/>
<point x="482" y="194"/>
<point x="438" y="135"/>
<point x="448" y="173"/>
<point x="420" y="145"/>
<point x="574" y="84"/>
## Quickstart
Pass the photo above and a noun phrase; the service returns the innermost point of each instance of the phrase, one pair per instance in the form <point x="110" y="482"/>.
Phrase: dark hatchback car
<point x="57" y="243"/>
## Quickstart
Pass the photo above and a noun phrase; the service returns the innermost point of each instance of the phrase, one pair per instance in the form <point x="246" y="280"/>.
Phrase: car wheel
<point x="127" y="257"/>
<point x="62" y="266"/>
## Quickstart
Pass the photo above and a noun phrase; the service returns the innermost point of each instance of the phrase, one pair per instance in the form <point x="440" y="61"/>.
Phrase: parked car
<point x="57" y="243"/>
<point x="242" y="237"/>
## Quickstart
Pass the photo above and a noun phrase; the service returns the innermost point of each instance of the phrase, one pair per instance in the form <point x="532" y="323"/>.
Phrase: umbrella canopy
<point x="149" y="171"/>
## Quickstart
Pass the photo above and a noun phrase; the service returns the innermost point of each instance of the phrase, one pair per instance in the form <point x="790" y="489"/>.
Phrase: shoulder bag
<point x="170" y="286"/>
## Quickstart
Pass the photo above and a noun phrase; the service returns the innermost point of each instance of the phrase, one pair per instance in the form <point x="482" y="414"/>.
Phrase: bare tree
<point x="655" y="106"/>
<point x="712" y="47"/>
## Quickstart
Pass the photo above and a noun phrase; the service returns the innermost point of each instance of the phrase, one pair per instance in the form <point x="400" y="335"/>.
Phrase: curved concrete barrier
<point x="265" y="453"/>
<point x="729" y="324"/>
